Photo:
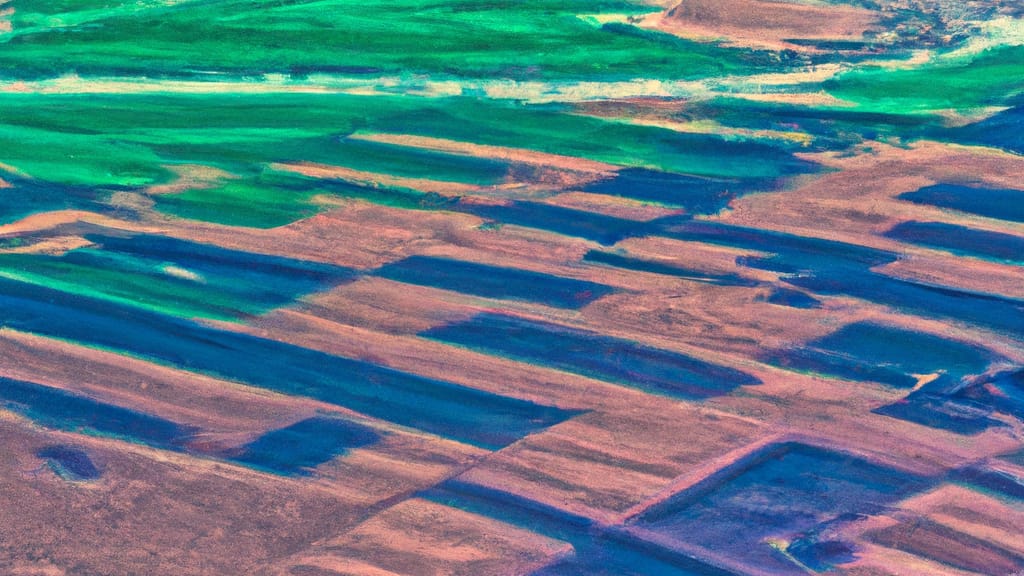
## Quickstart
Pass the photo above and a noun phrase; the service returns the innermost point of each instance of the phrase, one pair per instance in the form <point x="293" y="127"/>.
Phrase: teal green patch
<point x="128" y="140"/>
<point x="176" y="277"/>
<point x="474" y="38"/>
<point x="958" y="83"/>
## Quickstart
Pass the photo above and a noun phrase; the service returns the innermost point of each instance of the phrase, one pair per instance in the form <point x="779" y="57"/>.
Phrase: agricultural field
<point x="538" y="288"/>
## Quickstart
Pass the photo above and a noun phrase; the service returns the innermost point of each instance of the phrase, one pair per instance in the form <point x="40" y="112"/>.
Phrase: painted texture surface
<point x="539" y="288"/>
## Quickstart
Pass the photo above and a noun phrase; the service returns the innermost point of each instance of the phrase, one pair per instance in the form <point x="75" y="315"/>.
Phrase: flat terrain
<point x="549" y="287"/>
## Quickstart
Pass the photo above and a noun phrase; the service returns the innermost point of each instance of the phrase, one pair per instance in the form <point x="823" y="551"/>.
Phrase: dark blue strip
<point x="961" y="240"/>
<point x="464" y="414"/>
<point x="494" y="281"/>
<point x="592" y="354"/>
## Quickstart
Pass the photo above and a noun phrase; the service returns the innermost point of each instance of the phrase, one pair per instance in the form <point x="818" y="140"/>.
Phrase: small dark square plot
<point x="778" y="493"/>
